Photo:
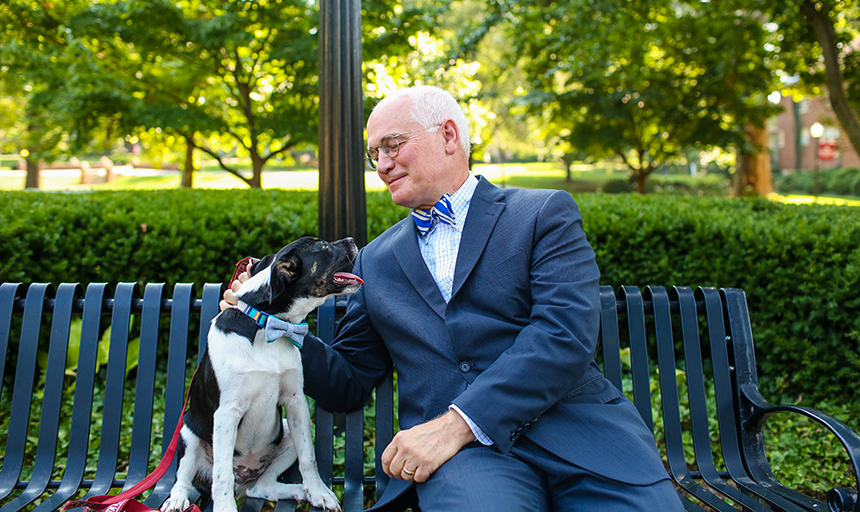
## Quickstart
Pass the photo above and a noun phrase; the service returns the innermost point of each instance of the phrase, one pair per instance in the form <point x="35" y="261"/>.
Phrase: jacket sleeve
<point x="341" y="376"/>
<point x="552" y="354"/>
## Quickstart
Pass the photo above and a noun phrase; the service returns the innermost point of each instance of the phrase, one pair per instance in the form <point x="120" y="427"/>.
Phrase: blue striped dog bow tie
<point x="442" y="211"/>
<point x="274" y="326"/>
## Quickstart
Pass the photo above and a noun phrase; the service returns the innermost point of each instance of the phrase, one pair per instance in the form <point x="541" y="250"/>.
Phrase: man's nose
<point x="384" y="163"/>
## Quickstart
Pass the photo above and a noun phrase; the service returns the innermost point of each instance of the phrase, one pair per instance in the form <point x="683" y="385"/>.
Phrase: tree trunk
<point x="756" y="177"/>
<point x="188" y="169"/>
<point x="822" y="26"/>
<point x="256" y="180"/>
<point x="567" y="160"/>
<point x="33" y="178"/>
<point x="641" y="178"/>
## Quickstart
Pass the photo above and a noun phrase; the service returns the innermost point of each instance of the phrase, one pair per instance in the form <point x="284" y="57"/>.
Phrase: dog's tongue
<point x="346" y="278"/>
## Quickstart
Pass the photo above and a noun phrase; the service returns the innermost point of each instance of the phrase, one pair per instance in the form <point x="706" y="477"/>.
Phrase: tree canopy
<point x="230" y="79"/>
<point x="642" y="82"/>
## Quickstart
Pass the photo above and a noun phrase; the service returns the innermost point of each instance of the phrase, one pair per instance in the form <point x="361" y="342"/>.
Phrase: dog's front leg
<point x="299" y="419"/>
<point x="226" y="424"/>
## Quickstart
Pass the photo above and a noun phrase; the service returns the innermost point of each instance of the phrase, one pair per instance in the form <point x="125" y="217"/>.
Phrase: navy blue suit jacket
<point x="513" y="348"/>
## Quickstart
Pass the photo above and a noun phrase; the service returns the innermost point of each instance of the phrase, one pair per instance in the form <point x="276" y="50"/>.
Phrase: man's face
<point x="416" y="177"/>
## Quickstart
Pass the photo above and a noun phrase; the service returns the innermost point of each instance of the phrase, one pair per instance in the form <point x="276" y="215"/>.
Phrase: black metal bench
<point x="41" y="469"/>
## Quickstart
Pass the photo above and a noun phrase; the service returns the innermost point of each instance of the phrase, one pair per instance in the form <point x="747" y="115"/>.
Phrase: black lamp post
<point x="342" y="206"/>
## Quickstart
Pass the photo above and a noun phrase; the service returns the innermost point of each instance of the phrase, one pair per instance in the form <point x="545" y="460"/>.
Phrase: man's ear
<point x="451" y="135"/>
<point x="282" y="273"/>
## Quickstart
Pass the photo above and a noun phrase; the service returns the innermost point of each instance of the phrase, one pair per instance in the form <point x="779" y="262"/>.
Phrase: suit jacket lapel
<point x="484" y="211"/>
<point x="405" y="246"/>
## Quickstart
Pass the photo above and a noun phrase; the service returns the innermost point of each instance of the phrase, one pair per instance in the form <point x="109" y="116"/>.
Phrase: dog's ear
<point x="283" y="272"/>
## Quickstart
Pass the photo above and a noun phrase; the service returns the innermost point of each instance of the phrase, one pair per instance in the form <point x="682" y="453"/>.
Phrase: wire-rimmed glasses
<point x="390" y="146"/>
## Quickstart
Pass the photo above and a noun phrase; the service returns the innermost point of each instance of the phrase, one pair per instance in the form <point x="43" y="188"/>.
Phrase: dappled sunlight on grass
<point x="157" y="180"/>
<point x="548" y="175"/>
<point x="798" y="199"/>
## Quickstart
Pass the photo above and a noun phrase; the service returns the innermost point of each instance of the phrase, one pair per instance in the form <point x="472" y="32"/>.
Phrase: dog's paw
<point x="175" y="504"/>
<point x="277" y="491"/>
<point x="320" y="496"/>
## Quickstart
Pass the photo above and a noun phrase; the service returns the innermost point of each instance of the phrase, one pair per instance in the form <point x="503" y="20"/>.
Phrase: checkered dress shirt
<point x="440" y="245"/>
<point x="439" y="248"/>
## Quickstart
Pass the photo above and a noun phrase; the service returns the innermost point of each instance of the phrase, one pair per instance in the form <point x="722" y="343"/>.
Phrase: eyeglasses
<point x="390" y="146"/>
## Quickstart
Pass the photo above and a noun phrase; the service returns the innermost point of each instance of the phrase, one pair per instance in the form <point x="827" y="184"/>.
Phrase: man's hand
<point x="230" y="299"/>
<point x="417" y="453"/>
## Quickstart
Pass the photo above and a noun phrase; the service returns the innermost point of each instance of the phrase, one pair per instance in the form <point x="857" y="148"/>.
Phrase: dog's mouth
<point x="346" y="279"/>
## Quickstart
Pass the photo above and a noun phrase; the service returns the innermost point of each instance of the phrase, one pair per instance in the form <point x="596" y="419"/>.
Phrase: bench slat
<point x="111" y="414"/>
<point x="145" y="384"/>
<point x="8" y="294"/>
<point x="22" y="392"/>
<point x="609" y="337"/>
<point x="638" y="353"/>
<point x="353" y="488"/>
<point x="184" y="295"/>
<point x="324" y="420"/>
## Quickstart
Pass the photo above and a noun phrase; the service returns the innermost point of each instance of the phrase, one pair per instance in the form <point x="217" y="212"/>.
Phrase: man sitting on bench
<point x="502" y="405"/>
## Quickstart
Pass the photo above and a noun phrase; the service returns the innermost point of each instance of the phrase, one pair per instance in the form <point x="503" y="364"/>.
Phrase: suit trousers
<point x="531" y="479"/>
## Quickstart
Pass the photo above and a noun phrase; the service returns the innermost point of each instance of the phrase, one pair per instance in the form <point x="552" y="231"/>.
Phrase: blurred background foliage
<point x="648" y="85"/>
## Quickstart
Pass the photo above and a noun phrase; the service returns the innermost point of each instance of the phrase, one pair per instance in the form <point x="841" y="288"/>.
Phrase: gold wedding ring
<point x="410" y="473"/>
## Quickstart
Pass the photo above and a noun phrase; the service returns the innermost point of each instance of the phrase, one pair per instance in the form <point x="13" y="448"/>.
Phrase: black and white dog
<point x="234" y="440"/>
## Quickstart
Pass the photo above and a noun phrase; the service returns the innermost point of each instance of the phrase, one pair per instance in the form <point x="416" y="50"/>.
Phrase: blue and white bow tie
<point x="442" y="211"/>
<point x="274" y="326"/>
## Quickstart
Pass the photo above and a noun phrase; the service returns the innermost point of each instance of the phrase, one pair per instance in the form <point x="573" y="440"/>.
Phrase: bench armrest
<point x="755" y="410"/>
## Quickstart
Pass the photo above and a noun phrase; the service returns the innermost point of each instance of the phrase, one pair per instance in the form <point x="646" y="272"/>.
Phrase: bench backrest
<point x="702" y="330"/>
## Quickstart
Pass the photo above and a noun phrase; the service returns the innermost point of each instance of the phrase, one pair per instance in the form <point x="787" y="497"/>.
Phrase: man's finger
<point x="388" y="458"/>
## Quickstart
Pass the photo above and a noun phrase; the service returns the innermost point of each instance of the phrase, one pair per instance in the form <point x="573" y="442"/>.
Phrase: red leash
<point x="241" y="267"/>
<point x="124" y="501"/>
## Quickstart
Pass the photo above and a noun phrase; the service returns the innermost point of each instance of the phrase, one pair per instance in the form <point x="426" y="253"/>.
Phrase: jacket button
<point x="516" y="433"/>
<point x="465" y="367"/>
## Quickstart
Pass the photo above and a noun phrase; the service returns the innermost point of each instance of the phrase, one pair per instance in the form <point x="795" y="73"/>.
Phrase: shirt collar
<point x="461" y="199"/>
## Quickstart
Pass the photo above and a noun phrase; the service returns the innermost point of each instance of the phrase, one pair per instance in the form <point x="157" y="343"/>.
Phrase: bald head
<point x="430" y="106"/>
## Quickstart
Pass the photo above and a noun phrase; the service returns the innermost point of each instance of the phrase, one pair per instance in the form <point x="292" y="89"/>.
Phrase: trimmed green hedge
<point x="841" y="182"/>
<point x="154" y="236"/>
<point x="799" y="265"/>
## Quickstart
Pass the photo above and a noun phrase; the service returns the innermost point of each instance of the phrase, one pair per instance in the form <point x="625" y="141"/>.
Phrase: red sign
<point x="826" y="150"/>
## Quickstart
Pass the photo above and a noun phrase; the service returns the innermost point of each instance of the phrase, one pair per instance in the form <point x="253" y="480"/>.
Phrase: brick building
<point x="790" y="141"/>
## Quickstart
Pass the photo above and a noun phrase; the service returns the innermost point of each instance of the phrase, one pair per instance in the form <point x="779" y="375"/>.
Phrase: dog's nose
<point x="348" y="244"/>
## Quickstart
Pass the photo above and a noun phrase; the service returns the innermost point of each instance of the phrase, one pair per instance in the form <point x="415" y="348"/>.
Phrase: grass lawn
<point x="584" y="179"/>
<point x="530" y="175"/>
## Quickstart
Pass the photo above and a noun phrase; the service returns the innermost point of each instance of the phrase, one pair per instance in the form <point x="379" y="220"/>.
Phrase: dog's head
<point x="301" y="276"/>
